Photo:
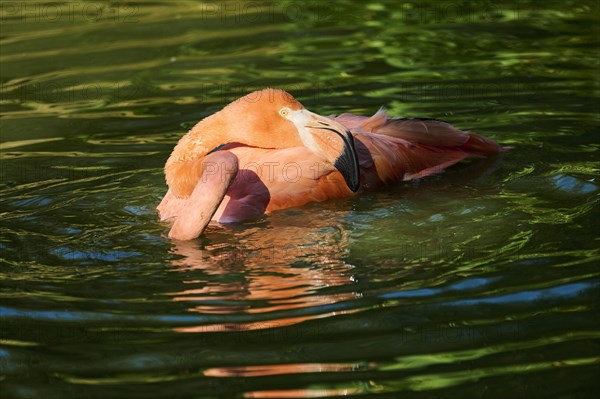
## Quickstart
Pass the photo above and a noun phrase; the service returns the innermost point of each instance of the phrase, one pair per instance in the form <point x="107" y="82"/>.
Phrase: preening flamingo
<point x="265" y="152"/>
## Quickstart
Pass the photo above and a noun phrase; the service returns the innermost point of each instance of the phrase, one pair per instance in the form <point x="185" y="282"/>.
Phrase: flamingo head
<point x="272" y="118"/>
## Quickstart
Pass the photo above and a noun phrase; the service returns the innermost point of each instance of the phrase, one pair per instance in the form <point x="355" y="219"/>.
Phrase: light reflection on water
<point x="277" y="273"/>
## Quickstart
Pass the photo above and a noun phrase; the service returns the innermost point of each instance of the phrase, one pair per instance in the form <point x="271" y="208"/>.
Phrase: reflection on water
<point x="473" y="283"/>
<point x="278" y="271"/>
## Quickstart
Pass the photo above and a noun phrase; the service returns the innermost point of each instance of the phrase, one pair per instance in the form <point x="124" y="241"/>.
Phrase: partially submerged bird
<point x="265" y="152"/>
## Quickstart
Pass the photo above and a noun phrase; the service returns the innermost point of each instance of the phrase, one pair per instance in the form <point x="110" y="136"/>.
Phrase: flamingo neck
<point x="224" y="127"/>
<point x="205" y="136"/>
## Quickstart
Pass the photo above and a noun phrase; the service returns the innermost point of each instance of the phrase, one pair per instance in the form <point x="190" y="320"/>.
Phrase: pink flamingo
<point x="265" y="152"/>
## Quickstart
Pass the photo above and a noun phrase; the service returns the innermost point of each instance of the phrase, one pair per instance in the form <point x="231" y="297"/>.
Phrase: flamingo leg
<point x="193" y="214"/>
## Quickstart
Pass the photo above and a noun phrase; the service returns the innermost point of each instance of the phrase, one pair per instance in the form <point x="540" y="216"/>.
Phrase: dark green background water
<point x="481" y="282"/>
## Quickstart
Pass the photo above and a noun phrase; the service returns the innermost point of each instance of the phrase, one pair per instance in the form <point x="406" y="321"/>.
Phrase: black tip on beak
<point x="347" y="163"/>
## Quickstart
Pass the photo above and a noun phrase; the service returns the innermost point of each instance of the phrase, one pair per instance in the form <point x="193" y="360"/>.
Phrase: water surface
<point x="479" y="282"/>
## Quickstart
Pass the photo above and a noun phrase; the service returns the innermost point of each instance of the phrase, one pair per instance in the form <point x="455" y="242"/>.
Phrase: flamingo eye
<point x="284" y="111"/>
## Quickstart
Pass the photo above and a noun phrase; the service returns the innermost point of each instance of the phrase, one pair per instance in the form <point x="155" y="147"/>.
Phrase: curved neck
<point x="213" y="131"/>
<point x="205" y="136"/>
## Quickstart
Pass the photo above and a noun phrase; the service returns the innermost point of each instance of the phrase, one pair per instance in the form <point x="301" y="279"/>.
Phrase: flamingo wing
<point x="396" y="149"/>
<point x="426" y="131"/>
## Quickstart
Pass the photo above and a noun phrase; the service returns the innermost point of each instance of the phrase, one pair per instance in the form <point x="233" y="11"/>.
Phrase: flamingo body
<point x="261" y="180"/>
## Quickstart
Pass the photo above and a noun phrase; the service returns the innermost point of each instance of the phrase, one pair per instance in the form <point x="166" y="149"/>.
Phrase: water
<point x="481" y="282"/>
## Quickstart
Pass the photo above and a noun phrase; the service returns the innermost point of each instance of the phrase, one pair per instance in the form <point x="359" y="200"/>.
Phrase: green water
<point x="480" y="282"/>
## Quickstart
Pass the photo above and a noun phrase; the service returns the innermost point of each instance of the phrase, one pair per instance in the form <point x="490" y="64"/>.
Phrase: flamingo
<point x="265" y="152"/>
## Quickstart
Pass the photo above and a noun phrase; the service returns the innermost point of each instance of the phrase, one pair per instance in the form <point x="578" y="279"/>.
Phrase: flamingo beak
<point x="322" y="135"/>
<point x="347" y="163"/>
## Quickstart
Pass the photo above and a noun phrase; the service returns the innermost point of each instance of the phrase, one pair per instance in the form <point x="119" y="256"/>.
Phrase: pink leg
<point x="169" y="206"/>
<point x="195" y="212"/>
